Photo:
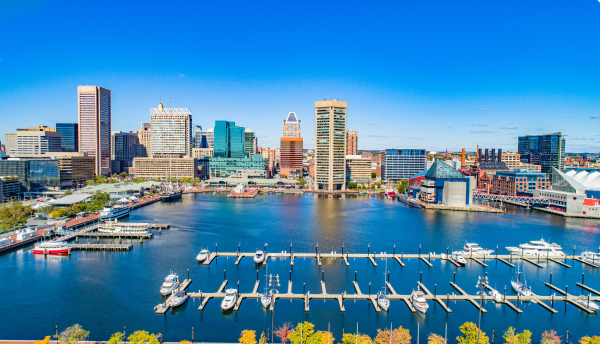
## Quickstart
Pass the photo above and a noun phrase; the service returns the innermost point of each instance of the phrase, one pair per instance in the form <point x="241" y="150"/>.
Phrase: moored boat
<point x="229" y="299"/>
<point x="417" y="299"/>
<point x="590" y="257"/>
<point x="123" y="227"/>
<point x="52" y="248"/>
<point x="259" y="257"/>
<point x="458" y="259"/>
<point x="178" y="298"/>
<point x="537" y="248"/>
<point x="171" y="195"/>
<point x="587" y="303"/>
<point x="383" y="301"/>
<point x="203" y="255"/>
<point x="114" y="212"/>
<point x="474" y="249"/>
<point x="265" y="299"/>
<point x="520" y="287"/>
<point x="170" y="284"/>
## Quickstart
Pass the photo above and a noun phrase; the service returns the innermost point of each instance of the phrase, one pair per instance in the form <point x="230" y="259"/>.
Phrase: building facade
<point x="145" y="140"/>
<point x="330" y="145"/>
<point x="94" y="125"/>
<point x="519" y="182"/>
<point x="403" y="163"/>
<point x="229" y="140"/>
<point x="545" y="150"/>
<point x="253" y="167"/>
<point x="249" y="142"/>
<point x="125" y="146"/>
<point x="351" y="142"/>
<point x="9" y="189"/>
<point x="10" y="144"/>
<point x="358" y="169"/>
<point x="171" y="132"/>
<point x="200" y="153"/>
<point x="164" y="168"/>
<point x="36" y="141"/>
<point x="291" y="147"/>
<point x="513" y="161"/>
<point x="69" y="137"/>
<point x="292" y="126"/>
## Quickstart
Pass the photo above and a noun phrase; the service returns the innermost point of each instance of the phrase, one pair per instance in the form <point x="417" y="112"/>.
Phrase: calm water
<point x="103" y="291"/>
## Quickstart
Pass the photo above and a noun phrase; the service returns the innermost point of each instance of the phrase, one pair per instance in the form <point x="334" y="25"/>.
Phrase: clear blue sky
<point x="422" y="74"/>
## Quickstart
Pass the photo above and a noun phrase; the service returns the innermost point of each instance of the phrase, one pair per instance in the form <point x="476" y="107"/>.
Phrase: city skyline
<point x="489" y="73"/>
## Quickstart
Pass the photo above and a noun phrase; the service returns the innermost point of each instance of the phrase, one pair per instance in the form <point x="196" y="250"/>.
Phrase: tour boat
<point x="537" y="248"/>
<point x="521" y="288"/>
<point x="178" y="298"/>
<point x="203" y="255"/>
<point x="383" y="301"/>
<point x="229" y="299"/>
<point x="170" y="284"/>
<point x="114" y="212"/>
<point x="417" y="298"/>
<point x="123" y="227"/>
<point x="590" y="257"/>
<point x="474" y="249"/>
<point x="458" y="259"/>
<point x="259" y="256"/>
<point x="587" y="303"/>
<point x="52" y="247"/>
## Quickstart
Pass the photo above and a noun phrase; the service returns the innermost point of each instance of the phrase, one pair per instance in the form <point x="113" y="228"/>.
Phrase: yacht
<point x="474" y="249"/>
<point x="587" y="303"/>
<point x="178" y="298"/>
<point x="114" y="212"/>
<point x="383" y="301"/>
<point x="123" y="227"/>
<point x="537" y="248"/>
<point x="229" y="299"/>
<point x="170" y="284"/>
<point x="259" y="256"/>
<point x="266" y="298"/>
<point x="171" y="195"/>
<point x="521" y="288"/>
<point x="52" y="247"/>
<point x="496" y="295"/>
<point x="458" y="259"/>
<point x="590" y="257"/>
<point x="203" y="255"/>
<point x="417" y="298"/>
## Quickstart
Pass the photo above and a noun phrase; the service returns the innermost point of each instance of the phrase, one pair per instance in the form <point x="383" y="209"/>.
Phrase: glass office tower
<point x="545" y="150"/>
<point x="69" y="137"/>
<point x="229" y="140"/>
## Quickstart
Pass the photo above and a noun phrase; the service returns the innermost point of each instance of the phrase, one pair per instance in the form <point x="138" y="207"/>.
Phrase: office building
<point x="229" y="140"/>
<point x="358" y="169"/>
<point x="69" y="137"/>
<point x="145" y="140"/>
<point x="210" y="137"/>
<point x="403" y="163"/>
<point x="94" y="124"/>
<point x="9" y="189"/>
<point x="291" y="147"/>
<point x="229" y="153"/>
<point x="252" y="167"/>
<point x="545" y="150"/>
<point x="34" y="174"/>
<point x="351" y="142"/>
<point x="199" y="138"/>
<point x="171" y="132"/>
<point x="270" y="161"/>
<point x="249" y="142"/>
<point x="519" y="182"/>
<point x="163" y="168"/>
<point x="10" y="144"/>
<point x="37" y="140"/>
<point x="75" y="168"/>
<point x="200" y="153"/>
<point x="291" y="126"/>
<point x="513" y="161"/>
<point x="330" y="145"/>
<point x="125" y="146"/>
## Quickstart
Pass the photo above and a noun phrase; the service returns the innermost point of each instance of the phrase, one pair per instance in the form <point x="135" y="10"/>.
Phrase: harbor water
<point x="105" y="291"/>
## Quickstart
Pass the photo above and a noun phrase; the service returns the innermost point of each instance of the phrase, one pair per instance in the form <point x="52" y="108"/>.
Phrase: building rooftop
<point x="488" y="165"/>
<point x="119" y="187"/>
<point x="440" y="169"/>
<point x="71" y="199"/>
<point x="256" y="181"/>
<point x="291" y="118"/>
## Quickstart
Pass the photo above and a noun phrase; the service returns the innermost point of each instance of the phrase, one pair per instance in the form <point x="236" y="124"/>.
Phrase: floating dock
<point x="100" y="247"/>
<point x="164" y="307"/>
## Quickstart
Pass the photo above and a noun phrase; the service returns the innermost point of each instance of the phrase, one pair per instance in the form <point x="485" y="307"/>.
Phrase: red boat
<point x="52" y="247"/>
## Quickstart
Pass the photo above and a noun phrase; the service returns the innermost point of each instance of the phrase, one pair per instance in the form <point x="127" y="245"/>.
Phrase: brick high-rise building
<point x="351" y="142"/>
<point x="291" y="147"/>
<point x="94" y="115"/>
<point x="330" y="145"/>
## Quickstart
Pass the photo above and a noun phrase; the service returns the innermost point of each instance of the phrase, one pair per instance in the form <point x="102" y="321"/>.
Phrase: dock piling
<point x="322" y="276"/>
<point x="354" y="276"/>
<point x="394" y="249"/>
<point x="582" y="277"/>
<point x="388" y="276"/>
<point x="368" y="249"/>
<point x="238" y="288"/>
<point x="566" y="292"/>
<point x="342" y="249"/>
<point x="454" y="277"/>
<point x="257" y="275"/>
<point x="188" y="273"/>
<point x="447" y="250"/>
<point x="224" y="275"/>
<point x="239" y="249"/>
<point x="550" y="278"/>
<point x="419" y="250"/>
<point x="504" y="293"/>
<point x="553" y="300"/>
<point x="216" y="248"/>
<point x="435" y="290"/>
<point x="421" y="277"/>
<point x="304" y="289"/>
<point x="369" y="289"/>
<point x="290" y="275"/>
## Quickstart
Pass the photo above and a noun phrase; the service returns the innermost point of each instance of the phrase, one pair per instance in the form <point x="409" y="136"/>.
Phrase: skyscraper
<point x="200" y="140"/>
<point x="125" y="147"/>
<point x="94" y="114"/>
<point x="330" y="145"/>
<point x="36" y="140"/>
<point x="249" y="141"/>
<point x="229" y="140"/>
<point x="171" y="132"/>
<point x="545" y="150"/>
<point x="291" y="147"/>
<point x="69" y="138"/>
<point x="145" y="140"/>
<point x="351" y="142"/>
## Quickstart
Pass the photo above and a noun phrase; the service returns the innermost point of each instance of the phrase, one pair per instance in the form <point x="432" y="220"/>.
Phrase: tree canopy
<point x="469" y="334"/>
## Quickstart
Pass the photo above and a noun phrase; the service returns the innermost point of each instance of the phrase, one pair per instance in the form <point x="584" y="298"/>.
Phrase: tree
<point x="185" y="342"/>
<point x="263" y="338"/>
<point x="350" y="338"/>
<point x="402" y="186"/>
<point x="373" y="175"/>
<point x="73" y="334"/>
<point x="550" y="337"/>
<point x="322" y="337"/>
<point x="469" y="336"/>
<point x="283" y="332"/>
<point x="248" y="337"/>
<point x="283" y="176"/>
<point x="399" y="336"/>
<point x="352" y="185"/>
<point x="14" y="214"/>
<point x="68" y="192"/>
<point x="590" y="340"/>
<point x="141" y="337"/>
<point x="43" y="341"/>
<point x="435" y="339"/>
<point x="302" y="332"/>
<point x="517" y="338"/>
<point x="116" y="338"/>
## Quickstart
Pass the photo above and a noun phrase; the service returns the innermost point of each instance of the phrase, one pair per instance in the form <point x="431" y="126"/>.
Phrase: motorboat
<point x="113" y="226"/>
<point x="383" y="301"/>
<point x="259" y="256"/>
<point x="229" y="299"/>
<point x="170" y="284"/>
<point x="458" y="259"/>
<point x="537" y="248"/>
<point x="178" y="298"/>
<point x="587" y="303"/>
<point x="52" y="248"/>
<point x="417" y="299"/>
<point x="496" y="295"/>
<point x="519" y="287"/>
<point x="114" y="212"/>
<point x="266" y="299"/>
<point x="590" y="257"/>
<point x="474" y="249"/>
<point x="203" y="255"/>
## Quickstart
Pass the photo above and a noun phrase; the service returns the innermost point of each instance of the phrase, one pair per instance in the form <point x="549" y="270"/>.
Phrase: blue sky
<point x="415" y="74"/>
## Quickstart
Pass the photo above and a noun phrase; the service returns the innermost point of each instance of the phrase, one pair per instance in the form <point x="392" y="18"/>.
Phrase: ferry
<point x="52" y="247"/>
<point x="123" y="227"/>
<point x="537" y="248"/>
<point x="114" y="212"/>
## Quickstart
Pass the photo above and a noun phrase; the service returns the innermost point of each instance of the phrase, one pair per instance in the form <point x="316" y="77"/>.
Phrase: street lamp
<point x="481" y="282"/>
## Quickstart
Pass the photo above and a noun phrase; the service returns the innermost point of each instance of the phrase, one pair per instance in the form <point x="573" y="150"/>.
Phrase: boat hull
<point x="114" y="216"/>
<point x="62" y="252"/>
<point x="178" y="302"/>
<point x="226" y="305"/>
<point x="265" y="301"/>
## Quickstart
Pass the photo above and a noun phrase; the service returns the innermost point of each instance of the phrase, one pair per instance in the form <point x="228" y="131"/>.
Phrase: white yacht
<point x="587" y="303"/>
<point x="178" y="298"/>
<point x="114" y="212"/>
<point x="458" y="259"/>
<point x="229" y="299"/>
<point x="203" y="255"/>
<point x="113" y="226"/>
<point x="590" y="257"/>
<point x="537" y="248"/>
<point x="170" y="284"/>
<point x="266" y="299"/>
<point x="521" y="288"/>
<point x="474" y="249"/>
<point x="417" y="298"/>
<point x="383" y="301"/>
<point x="259" y="256"/>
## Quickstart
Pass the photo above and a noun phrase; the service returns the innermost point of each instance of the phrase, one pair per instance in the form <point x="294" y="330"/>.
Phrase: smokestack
<point x="462" y="159"/>
<point x="499" y="154"/>
<point x="487" y="155"/>
<point x="493" y="155"/>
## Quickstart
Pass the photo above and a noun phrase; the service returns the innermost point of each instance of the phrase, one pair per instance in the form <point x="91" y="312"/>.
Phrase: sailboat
<point x="382" y="299"/>
<point x="270" y="281"/>
<point x="521" y="288"/>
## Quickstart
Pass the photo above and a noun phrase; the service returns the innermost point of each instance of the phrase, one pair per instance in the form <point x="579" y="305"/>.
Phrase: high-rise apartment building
<point x="403" y="164"/>
<point x="249" y="142"/>
<point x="171" y="132"/>
<point x="351" y="142"/>
<point x="94" y="114"/>
<point x="69" y="137"/>
<point x="145" y="140"/>
<point x="330" y="145"/>
<point x="291" y="147"/>
<point x="545" y="150"/>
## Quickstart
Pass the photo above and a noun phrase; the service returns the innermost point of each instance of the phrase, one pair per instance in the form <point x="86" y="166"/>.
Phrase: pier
<point x="100" y="247"/>
<point x="164" y="307"/>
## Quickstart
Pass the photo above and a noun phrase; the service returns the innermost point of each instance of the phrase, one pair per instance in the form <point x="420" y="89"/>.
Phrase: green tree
<point x="550" y="337"/>
<point x="302" y="333"/>
<point x="141" y="337"/>
<point x="402" y="186"/>
<point x="399" y="336"/>
<point x="435" y="339"/>
<point x="352" y="185"/>
<point x="469" y="334"/>
<point x="73" y="334"/>
<point x="116" y="338"/>
<point x="517" y="338"/>
<point x="13" y="214"/>
<point x="590" y="340"/>
<point x="68" y="192"/>
<point x="373" y="175"/>
<point x="350" y="338"/>
<point x="248" y="337"/>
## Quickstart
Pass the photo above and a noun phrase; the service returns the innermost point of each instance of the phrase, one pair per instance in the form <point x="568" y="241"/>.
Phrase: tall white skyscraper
<point x="171" y="132"/>
<point x="94" y="113"/>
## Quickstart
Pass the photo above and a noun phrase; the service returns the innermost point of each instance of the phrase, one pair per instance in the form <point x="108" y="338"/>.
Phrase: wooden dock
<point x="588" y="288"/>
<point x="100" y="247"/>
<point x="164" y="307"/>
